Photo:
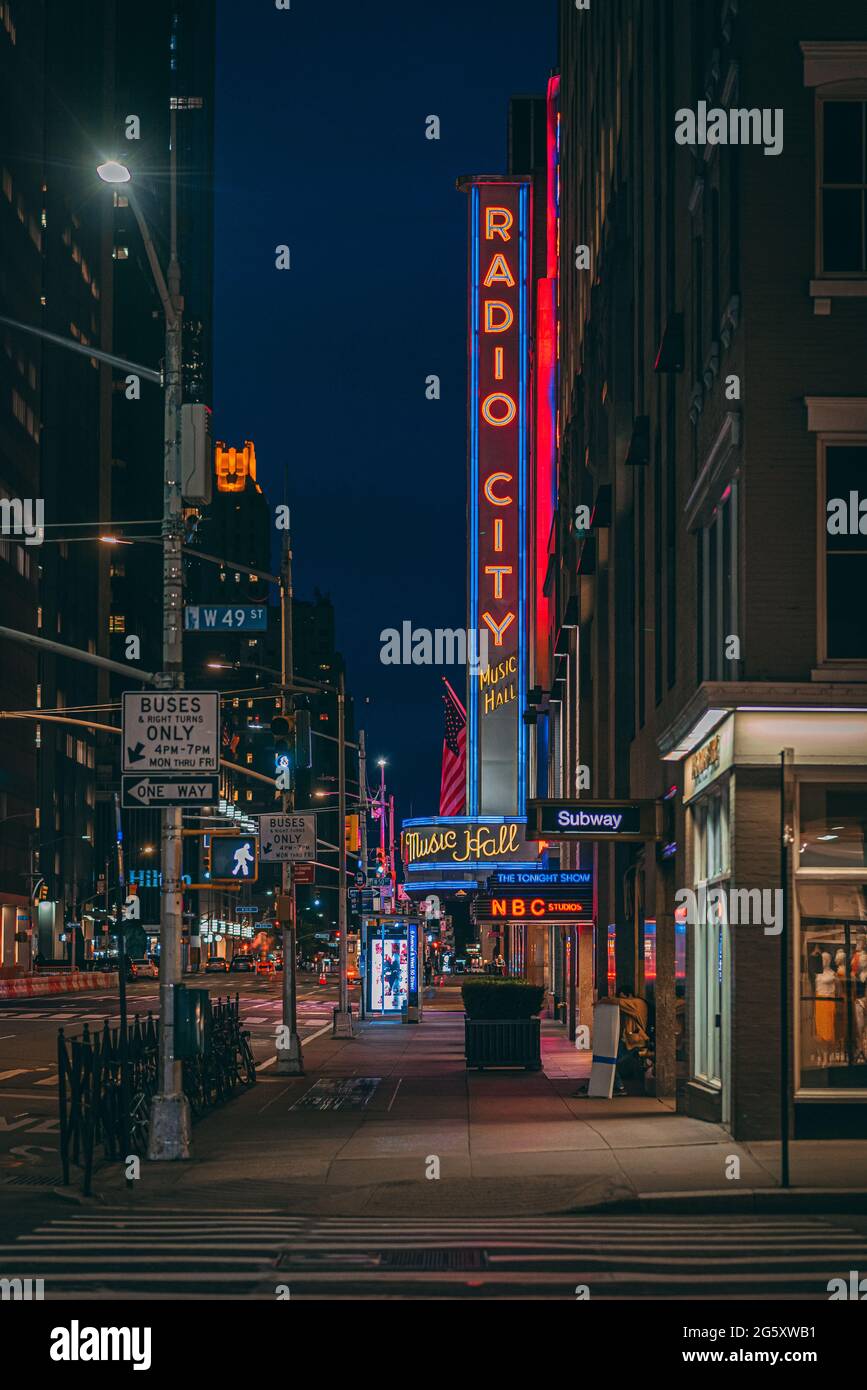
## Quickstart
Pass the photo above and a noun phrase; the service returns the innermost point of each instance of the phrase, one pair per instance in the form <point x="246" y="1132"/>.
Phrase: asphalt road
<point x="28" y="1050"/>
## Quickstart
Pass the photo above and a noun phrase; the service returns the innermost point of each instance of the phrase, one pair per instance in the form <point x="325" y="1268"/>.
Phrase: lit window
<point x="121" y="253"/>
<point x="117" y="622"/>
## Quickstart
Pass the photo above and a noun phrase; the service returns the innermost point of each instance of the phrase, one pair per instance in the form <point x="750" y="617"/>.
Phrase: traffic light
<point x="381" y="866"/>
<point x="351" y="834"/>
<point x="303" y="742"/>
<point x="282" y="727"/>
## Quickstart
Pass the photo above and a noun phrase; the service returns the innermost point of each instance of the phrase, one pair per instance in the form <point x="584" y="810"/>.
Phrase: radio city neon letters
<point x="498" y="408"/>
<point x="500" y="222"/>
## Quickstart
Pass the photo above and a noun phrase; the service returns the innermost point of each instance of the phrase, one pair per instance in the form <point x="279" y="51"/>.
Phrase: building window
<point x="719" y="597"/>
<point x="833" y="826"/>
<point x="117" y="622"/>
<point x="844" y="540"/>
<point x="842" y="149"/>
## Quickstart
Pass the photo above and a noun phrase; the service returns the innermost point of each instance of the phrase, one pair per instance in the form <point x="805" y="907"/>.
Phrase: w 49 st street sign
<point x="225" y="618"/>
<point x="171" y="731"/>
<point x="171" y="791"/>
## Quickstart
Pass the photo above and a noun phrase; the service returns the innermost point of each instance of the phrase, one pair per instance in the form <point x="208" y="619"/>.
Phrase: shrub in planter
<point x="498" y="999"/>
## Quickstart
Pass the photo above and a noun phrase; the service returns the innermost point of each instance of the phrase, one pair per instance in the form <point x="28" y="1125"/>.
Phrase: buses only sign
<point x="171" y="731"/>
<point x="287" y="838"/>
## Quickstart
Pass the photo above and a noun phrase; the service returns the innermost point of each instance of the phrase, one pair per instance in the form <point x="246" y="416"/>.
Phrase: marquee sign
<point x="499" y="211"/>
<point x="466" y="843"/>
<point x="587" y="819"/>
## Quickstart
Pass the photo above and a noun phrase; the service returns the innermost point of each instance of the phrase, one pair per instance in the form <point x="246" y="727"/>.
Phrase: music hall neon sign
<point x="498" y="488"/>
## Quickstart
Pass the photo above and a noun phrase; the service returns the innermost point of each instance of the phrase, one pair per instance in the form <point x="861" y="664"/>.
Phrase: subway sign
<point x="586" y="819"/>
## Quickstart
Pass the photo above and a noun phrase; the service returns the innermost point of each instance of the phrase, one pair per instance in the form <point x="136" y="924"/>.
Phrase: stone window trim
<point x="720" y="467"/>
<point x="833" y="70"/>
<point x="833" y="420"/>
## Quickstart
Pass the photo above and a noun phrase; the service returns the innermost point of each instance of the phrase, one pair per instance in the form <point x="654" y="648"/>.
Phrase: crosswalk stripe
<point x="170" y="1252"/>
<point x="14" y="1071"/>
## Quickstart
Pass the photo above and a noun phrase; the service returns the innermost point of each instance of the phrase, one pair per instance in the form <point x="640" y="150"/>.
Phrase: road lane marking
<point x="16" y="1071"/>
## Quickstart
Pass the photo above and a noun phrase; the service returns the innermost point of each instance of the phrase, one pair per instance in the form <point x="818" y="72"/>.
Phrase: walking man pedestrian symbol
<point x="243" y="860"/>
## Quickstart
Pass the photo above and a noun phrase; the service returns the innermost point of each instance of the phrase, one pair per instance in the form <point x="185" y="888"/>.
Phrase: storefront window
<point x="712" y="869"/>
<point x="833" y="999"/>
<point x="833" y="825"/>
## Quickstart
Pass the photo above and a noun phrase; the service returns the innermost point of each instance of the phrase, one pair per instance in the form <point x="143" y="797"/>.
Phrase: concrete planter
<point x="503" y="1043"/>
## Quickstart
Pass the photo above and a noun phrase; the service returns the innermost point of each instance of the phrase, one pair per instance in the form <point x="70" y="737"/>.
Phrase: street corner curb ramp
<point x="57" y="984"/>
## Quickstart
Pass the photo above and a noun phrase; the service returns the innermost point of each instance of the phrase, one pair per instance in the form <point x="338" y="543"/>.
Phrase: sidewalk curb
<point x="767" y="1201"/>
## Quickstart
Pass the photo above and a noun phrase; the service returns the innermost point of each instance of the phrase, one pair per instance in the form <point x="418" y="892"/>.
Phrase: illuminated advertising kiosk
<point x="391" y="967"/>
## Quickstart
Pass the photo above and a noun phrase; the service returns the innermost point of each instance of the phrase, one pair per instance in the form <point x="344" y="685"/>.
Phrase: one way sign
<point x="285" y="838"/>
<point x="170" y="791"/>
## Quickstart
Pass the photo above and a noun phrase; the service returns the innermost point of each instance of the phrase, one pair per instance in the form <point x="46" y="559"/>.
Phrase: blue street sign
<point x="241" y="617"/>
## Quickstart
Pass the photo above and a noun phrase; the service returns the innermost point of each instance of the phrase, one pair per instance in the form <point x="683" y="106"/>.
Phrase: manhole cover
<point x="456" y="1259"/>
<point x="336" y="1093"/>
<point x="447" y="1259"/>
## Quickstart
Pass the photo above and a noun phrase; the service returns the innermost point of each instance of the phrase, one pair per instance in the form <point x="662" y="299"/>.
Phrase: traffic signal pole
<point x="342" y="1027"/>
<point x="290" y="1061"/>
<point x="169" y="1131"/>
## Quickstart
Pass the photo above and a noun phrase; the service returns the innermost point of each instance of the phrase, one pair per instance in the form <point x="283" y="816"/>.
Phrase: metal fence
<point x="105" y="1088"/>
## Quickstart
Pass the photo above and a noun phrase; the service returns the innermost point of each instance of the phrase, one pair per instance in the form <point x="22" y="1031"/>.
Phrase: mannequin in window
<point x="841" y="1022"/>
<point x="858" y="961"/>
<point x="861" y="1010"/>
<point x="825" y="1008"/>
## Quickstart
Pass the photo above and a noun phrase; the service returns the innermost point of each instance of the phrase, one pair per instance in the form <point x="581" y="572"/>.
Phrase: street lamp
<point x="169" y="1132"/>
<point x="112" y="171"/>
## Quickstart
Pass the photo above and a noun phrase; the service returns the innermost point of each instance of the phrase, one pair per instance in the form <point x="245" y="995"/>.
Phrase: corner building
<point x="708" y="627"/>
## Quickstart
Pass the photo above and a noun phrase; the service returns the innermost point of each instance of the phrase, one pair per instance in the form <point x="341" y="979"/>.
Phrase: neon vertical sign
<point x="498" y="489"/>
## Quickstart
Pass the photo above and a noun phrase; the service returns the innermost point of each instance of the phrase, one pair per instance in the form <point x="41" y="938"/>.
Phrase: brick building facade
<point x="712" y="403"/>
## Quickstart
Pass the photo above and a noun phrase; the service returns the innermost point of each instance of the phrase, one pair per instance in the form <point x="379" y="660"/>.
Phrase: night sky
<point x="321" y="145"/>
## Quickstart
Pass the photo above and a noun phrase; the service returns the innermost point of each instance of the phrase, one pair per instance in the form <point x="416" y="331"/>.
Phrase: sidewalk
<point x="511" y="1142"/>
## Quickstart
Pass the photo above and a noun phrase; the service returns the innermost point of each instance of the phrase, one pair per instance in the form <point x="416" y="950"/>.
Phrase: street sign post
<point x="171" y="731"/>
<point x="170" y="791"/>
<point x="243" y="617"/>
<point x="287" y="838"/>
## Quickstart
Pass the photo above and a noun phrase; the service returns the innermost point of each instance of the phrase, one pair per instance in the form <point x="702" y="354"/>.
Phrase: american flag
<point x="454" y="775"/>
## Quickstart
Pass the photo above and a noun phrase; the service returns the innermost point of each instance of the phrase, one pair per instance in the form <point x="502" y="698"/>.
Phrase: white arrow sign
<point x="286" y="838"/>
<point x="171" y="731"/>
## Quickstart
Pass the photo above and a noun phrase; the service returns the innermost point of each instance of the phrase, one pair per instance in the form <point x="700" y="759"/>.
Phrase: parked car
<point x="142" y="967"/>
<point x="216" y="965"/>
<point x="243" y="963"/>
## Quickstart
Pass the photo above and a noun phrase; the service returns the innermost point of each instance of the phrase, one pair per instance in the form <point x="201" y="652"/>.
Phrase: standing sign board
<point x="287" y="838"/>
<point x="171" y="731"/>
<point x="606" y="1040"/>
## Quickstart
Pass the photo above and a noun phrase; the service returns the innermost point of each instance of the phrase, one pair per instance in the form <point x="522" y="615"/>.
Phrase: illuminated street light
<point x="114" y="172"/>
